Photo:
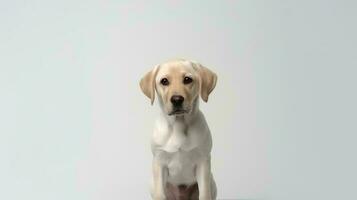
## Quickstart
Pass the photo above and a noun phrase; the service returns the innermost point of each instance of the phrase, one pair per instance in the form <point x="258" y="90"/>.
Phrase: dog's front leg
<point x="203" y="176"/>
<point x="159" y="178"/>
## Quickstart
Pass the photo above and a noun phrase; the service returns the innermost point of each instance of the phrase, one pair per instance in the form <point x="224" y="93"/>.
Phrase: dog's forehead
<point x="176" y="68"/>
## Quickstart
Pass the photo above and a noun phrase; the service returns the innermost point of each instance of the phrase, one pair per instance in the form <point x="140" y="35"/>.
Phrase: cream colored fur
<point x="181" y="143"/>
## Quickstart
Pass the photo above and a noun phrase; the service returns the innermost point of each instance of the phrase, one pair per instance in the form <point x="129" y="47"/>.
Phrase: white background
<point x="75" y="125"/>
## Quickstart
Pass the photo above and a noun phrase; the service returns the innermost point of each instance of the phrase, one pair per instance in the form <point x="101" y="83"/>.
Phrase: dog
<point x="181" y="142"/>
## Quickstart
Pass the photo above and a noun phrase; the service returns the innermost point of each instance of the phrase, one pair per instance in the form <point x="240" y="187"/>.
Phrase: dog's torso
<point x="179" y="144"/>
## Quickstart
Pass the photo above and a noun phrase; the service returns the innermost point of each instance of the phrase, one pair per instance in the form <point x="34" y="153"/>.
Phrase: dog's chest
<point x="178" y="137"/>
<point x="181" y="166"/>
<point x="179" y="149"/>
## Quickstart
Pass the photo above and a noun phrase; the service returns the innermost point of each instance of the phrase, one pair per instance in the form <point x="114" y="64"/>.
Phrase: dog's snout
<point x="177" y="100"/>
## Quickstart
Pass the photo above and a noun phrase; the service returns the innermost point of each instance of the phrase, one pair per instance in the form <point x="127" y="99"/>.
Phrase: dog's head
<point x="178" y="84"/>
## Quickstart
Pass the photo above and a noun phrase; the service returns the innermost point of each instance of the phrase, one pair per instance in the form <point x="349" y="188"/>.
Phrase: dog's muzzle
<point x="177" y="102"/>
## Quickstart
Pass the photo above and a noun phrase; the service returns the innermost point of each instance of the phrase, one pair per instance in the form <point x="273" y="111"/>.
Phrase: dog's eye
<point x="164" y="81"/>
<point x="187" y="80"/>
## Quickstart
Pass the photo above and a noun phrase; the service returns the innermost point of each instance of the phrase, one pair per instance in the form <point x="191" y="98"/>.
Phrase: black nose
<point x="177" y="100"/>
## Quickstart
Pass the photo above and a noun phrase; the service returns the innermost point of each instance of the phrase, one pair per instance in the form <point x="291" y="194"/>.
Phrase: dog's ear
<point x="208" y="80"/>
<point x="147" y="84"/>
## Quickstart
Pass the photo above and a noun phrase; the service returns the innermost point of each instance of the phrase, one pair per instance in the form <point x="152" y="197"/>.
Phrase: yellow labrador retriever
<point x="181" y="142"/>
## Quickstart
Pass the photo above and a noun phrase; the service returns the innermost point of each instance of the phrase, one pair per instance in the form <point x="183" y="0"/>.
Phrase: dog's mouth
<point x="178" y="112"/>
